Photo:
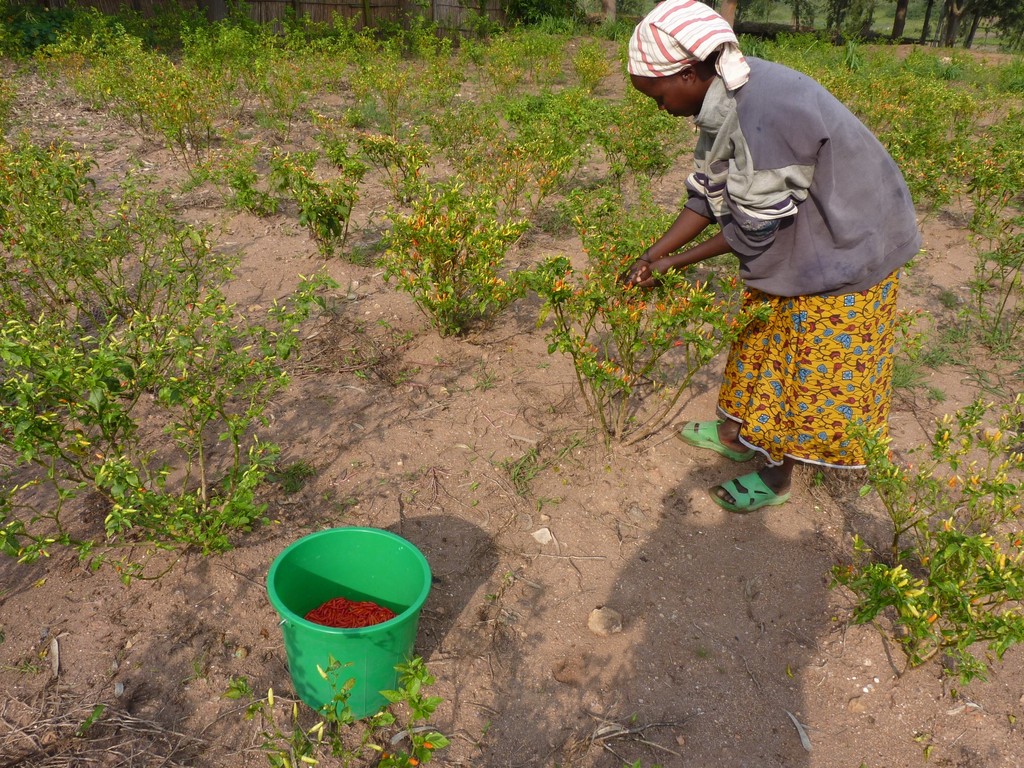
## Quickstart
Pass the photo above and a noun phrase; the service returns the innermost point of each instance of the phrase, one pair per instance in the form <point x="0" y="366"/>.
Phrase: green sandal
<point x="749" y="493"/>
<point x="704" y="434"/>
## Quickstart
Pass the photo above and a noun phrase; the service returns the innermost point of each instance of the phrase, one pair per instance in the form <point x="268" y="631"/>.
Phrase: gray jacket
<point x="806" y="196"/>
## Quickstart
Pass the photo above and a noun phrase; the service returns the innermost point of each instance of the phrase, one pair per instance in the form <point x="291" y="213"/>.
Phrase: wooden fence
<point x="451" y="15"/>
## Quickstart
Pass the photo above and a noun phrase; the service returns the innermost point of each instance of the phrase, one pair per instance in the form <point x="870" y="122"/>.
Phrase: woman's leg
<point x="729" y="435"/>
<point x="794" y="384"/>
<point x="778" y="479"/>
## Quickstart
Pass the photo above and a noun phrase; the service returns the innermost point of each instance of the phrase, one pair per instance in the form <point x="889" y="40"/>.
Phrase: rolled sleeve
<point x="699" y="205"/>
<point x="749" y="237"/>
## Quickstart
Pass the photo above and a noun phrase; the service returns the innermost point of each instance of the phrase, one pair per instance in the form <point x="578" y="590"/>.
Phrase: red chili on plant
<point x="342" y="613"/>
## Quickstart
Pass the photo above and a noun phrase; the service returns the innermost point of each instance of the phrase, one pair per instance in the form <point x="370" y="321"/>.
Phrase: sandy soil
<point x="730" y="628"/>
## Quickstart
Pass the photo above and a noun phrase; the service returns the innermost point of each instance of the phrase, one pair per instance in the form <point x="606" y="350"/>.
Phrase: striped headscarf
<point x="678" y="32"/>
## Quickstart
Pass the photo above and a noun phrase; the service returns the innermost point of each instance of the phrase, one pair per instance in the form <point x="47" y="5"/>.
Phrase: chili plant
<point x="6" y="104"/>
<point x="449" y="253"/>
<point x="438" y="78"/>
<point x="325" y="206"/>
<point x="114" y="318"/>
<point x="396" y="92"/>
<point x="398" y="737"/>
<point x="235" y="167"/>
<point x="997" y="176"/>
<point x="240" y="55"/>
<point x="953" y="570"/>
<point x="520" y="163"/>
<point x="465" y="133"/>
<point x="998" y="227"/>
<point x="998" y="290"/>
<point x="378" y="83"/>
<point x="551" y="142"/>
<point x="626" y="343"/>
<point x="591" y="64"/>
<point x="146" y="89"/>
<point x="400" y="160"/>
<point x="285" y="88"/>
<point x="503" y="65"/>
<point x="636" y="137"/>
<point x="524" y="53"/>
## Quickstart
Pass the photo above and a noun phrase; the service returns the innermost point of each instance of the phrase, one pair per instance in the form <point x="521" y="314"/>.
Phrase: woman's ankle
<point x="729" y="434"/>
<point x="778" y="477"/>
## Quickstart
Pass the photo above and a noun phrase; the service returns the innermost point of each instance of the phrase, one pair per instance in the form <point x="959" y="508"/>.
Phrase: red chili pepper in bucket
<point x="342" y="613"/>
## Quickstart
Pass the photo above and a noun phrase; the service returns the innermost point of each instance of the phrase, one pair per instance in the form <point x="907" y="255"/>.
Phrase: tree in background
<point x="927" y="27"/>
<point x="851" y="18"/>
<point x="953" y="14"/>
<point x="958" y="20"/>
<point x="1011" y="22"/>
<point x="1008" y="16"/>
<point x="1009" y="19"/>
<point x="899" y="22"/>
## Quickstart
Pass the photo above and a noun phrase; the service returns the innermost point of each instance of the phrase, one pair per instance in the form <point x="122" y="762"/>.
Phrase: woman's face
<point x="680" y="94"/>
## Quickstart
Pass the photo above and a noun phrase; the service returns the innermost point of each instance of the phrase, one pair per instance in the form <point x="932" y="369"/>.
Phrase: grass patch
<point x="292" y="478"/>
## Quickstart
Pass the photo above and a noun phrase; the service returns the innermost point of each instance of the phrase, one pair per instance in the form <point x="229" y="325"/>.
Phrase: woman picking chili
<point x="821" y="220"/>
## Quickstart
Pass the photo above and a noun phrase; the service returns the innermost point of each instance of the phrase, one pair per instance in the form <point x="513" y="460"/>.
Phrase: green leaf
<point x="96" y="714"/>
<point x="96" y="397"/>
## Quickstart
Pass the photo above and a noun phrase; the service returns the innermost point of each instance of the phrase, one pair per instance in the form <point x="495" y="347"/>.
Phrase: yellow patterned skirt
<point x="820" y="364"/>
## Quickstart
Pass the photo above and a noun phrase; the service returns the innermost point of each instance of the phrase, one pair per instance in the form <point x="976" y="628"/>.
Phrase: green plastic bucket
<point x="357" y="564"/>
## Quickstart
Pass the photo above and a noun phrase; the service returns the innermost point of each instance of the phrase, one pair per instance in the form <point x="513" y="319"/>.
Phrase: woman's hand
<point x="641" y="273"/>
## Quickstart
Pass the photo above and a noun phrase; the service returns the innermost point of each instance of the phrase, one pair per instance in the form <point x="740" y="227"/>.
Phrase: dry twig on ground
<point x="58" y="731"/>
